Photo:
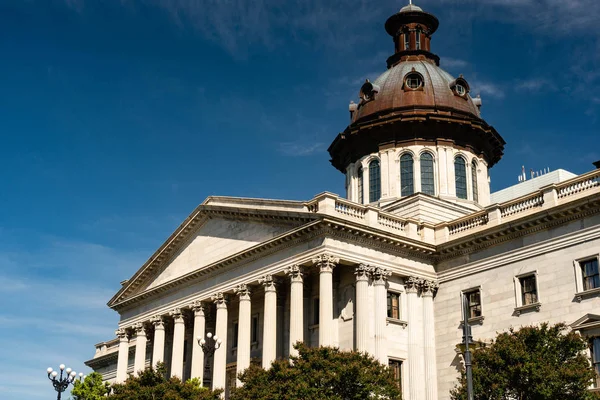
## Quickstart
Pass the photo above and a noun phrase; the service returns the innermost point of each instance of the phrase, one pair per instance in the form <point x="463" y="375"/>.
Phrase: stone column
<point x="140" y="348"/>
<point x="380" y="276"/>
<point x="428" y="290"/>
<point x="220" y="357"/>
<point x="123" y="355"/>
<point x="325" y="263"/>
<point x="197" y="370"/>
<point x="158" y="349"/>
<point x="415" y="359"/>
<point x="244" y="325"/>
<point x="362" y="273"/>
<point x="178" y="340"/>
<point x="296" y="307"/>
<point x="269" y="344"/>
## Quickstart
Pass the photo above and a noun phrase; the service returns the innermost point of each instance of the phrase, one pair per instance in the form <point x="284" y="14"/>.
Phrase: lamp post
<point x="62" y="382"/>
<point x="209" y="345"/>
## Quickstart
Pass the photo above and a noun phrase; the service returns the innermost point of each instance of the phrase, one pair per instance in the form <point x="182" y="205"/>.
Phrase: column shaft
<point x="415" y="358"/>
<point x="140" y="349"/>
<point x="220" y="357"/>
<point x="178" y="340"/>
<point x="362" y="308"/>
<point x="244" y="324"/>
<point x="158" y="349"/>
<point x="269" y="343"/>
<point x="379" y="284"/>
<point x="296" y="307"/>
<point x="325" y="263"/>
<point x="123" y="356"/>
<point x="429" y="341"/>
<point x="197" y="370"/>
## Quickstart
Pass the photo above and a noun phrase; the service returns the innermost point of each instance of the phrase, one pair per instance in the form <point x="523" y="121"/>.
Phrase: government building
<point x="384" y="269"/>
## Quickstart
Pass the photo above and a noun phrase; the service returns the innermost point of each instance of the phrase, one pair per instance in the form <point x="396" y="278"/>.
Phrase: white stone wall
<point x="550" y="254"/>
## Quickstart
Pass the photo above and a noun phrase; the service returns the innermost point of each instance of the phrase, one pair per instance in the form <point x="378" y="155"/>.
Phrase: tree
<point x="91" y="388"/>
<point x="533" y="363"/>
<point x="318" y="374"/>
<point x="152" y="384"/>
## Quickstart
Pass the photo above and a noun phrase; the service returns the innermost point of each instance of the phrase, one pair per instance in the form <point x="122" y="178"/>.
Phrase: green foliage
<point x="152" y="384"/>
<point x="533" y="363"/>
<point x="318" y="374"/>
<point x="91" y="388"/>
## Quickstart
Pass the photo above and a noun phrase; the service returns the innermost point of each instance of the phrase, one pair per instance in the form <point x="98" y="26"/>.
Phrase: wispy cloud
<point x="535" y="85"/>
<point x="296" y="149"/>
<point x="487" y="88"/>
<point x="449" y="62"/>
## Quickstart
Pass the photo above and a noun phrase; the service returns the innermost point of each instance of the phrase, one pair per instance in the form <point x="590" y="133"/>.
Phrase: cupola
<point x="416" y="128"/>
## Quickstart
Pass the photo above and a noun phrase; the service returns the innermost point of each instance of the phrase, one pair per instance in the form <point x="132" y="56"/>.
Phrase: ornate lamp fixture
<point x="210" y="344"/>
<point x="62" y="382"/>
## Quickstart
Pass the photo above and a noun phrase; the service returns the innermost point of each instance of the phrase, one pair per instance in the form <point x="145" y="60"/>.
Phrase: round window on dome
<point x="460" y="90"/>
<point x="413" y="81"/>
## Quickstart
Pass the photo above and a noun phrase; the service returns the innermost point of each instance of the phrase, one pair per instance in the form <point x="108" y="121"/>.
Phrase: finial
<point x="410" y="2"/>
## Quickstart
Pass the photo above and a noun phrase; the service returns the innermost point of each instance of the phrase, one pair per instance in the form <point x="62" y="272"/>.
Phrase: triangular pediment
<point x="217" y="229"/>
<point x="430" y="209"/>
<point x="588" y="321"/>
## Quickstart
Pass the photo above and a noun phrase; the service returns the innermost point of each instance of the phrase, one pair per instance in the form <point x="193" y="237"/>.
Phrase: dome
<point x="437" y="92"/>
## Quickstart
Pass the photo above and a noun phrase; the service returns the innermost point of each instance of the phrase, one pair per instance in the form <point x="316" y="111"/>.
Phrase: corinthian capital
<point x="177" y="314"/>
<point x="157" y="321"/>
<point x="326" y="262"/>
<point x="362" y="272"/>
<point x="197" y="307"/>
<point x="220" y="299"/>
<point x="412" y="284"/>
<point x="429" y="287"/>
<point x="268" y="282"/>
<point x="139" y="328"/>
<point x="121" y="333"/>
<point x="295" y="272"/>
<point x="380" y="275"/>
<point x="242" y="291"/>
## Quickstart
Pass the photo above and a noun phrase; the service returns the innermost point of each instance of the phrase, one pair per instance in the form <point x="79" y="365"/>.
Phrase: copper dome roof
<point x="436" y="92"/>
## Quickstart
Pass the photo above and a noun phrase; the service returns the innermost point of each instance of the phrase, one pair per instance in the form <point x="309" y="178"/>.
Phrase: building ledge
<point x="587" y="293"/>
<point x="526" y="308"/>
<point x="395" y="321"/>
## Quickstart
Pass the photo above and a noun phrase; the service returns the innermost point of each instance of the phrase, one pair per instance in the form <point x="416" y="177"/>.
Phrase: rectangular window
<point x="316" y="311"/>
<point x="406" y="41"/>
<point x="596" y="360"/>
<point x="396" y="368"/>
<point x="393" y="305"/>
<point x="474" y="303"/>
<point x="589" y="272"/>
<point x="418" y="39"/>
<point x="254" y="332"/>
<point x="528" y="290"/>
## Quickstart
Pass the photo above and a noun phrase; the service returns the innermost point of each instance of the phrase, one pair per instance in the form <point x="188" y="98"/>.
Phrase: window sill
<point x="474" y="321"/>
<point x="395" y="321"/>
<point x="528" y="307"/>
<point x="587" y="293"/>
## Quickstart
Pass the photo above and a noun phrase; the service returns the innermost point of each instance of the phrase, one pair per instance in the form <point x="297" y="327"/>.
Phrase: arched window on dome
<point x="374" y="181"/>
<point x="460" y="177"/>
<point x="361" y="190"/>
<point x="474" y="181"/>
<point x="427" y="174"/>
<point x="407" y="178"/>
<point x="406" y="40"/>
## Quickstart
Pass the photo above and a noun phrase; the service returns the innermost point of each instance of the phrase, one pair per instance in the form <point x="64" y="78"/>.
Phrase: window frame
<point x="423" y="173"/>
<point x="418" y="39"/>
<point x="360" y="174"/>
<point x="466" y="292"/>
<point x="235" y="338"/>
<point x="519" y="294"/>
<point x="595" y="359"/>
<point x="462" y="178"/>
<point x="404" y="158"/>
<point x="374" y="190"/>
<point x="254" y="329"/>
<point x="474" y="180"/>
<point x="390" y="294"/>
<point x="400" y="363"/>
<point x="581" y="290"/>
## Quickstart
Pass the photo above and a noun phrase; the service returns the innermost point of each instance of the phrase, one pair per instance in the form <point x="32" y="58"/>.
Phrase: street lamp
<point x="62" y="382"/>
<point x="209" y="345"/>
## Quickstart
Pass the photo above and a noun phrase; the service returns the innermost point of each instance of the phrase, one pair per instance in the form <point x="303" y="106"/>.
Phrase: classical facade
<point x="384" y="269"/>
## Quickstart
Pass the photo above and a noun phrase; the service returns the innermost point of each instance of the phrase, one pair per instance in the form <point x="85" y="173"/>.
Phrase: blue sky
<point x="118" y="117"/>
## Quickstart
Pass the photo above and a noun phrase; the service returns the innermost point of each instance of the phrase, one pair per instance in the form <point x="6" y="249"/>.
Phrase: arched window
<point x="406" y="41"/>
<point x="474" y="180"/>
<point x="460" y="177"/>
<point x="374" y="181"/>
<point x="361" y="191"/>
<point x="418" y="39"/>
<point x="407" y="175"/>
<point x="427" y="175"/>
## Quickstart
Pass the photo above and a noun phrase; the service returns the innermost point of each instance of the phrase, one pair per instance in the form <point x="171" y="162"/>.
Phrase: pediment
<point x="217" y="229"/>
<point x="588" y="321"/>
<point x="430" y="209"/>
